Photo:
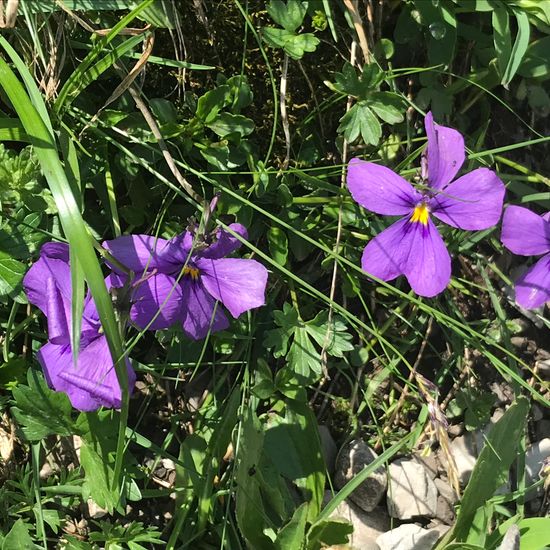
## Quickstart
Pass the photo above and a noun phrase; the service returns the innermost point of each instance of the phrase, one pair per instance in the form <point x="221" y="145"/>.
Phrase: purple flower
<point x="181" y="283"/>
<point x="92" y="382"/>
<point x="528" y="234"/>
<point x="413" y="246"/>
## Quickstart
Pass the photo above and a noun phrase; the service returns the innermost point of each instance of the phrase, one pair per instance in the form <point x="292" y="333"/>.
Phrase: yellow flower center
<point x="193" y="272"/>
<point x="420" y="214"/>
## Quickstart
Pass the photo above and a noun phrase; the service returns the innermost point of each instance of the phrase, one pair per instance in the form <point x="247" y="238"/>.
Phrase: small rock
<point x="446" y="491"/>
<point x="466" y="448"/>
<point x="95" y="511"/>
<point x="436" y="525"/>
<point x="366" y="527"/>
<point x="328" y="448"/>
<point x="408" y="537"/>
<point x="464" y="451"/>
<point x="503" y="392"/>
<point x="444" y="511"/>
<point x="429" y="462"/>
<point x="542" y="429"/>
<point x="536" y="413"/>
<point x="411" y="492"/>
<point x="519" y="342"/>
<point x="352" y="460"/>
<point x="534" y="457"/>
<point x="542" y="354"/>
<point x="511" y="539"/>
<point x="543" y="368"/>
<point x="454" y="430"/>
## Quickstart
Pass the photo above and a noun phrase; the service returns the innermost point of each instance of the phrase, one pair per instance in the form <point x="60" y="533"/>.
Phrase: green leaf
<point x="289" y="15"/>
<point x="387" y="107"/>
<point x="536" y="61"/>
<point x="440" y="23"/>
<point x="291" y="536"/>
<point x="519" y="48"/>
<point x="18" y="538"/>
<point x="476" y="405"/>
<point x="293" y="445"/>
<point x="263" y="380"/>
<point x="211" y="103"/>
<point x="278" y="244"/>
<point x="227" y="123"/>
<point x="250" y="508"/>
<point x="160" y="14"/>
<point x="241" y="95"/>
<point x="331" y="532"/>
<point x="97" y="457"/>
<point x="34" y="117"/>
<point x="12" y="130"/>
<point x="535" y="533"/>
<point x="11" y="274"/>
<point x="491" y="469"/>
<point x="361" y="121"/>
<point x="40" y="411"/>
<point x="502" y="36"/>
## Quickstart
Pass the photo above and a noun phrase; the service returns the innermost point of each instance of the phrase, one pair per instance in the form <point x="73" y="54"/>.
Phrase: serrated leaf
<point x="301" y="43"/>
<point x="302" y="357"/>
<point x="295" y="45"/>
<point x="18" y="538"/>
<point x="289" y="15"/>
<point x="387" y="107"/>
<point x="361" y="121"/>
<point x="40" y="411"/>
<point x="359" y="85"/>
<point x="334" y="337"/>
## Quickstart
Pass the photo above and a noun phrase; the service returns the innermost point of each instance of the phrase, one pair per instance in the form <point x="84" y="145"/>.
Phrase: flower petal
<point x="524" y="232"/>
<point x="237" y="283"/>
<point x="57" y="314"/>
<point x="160" y="294"/>
<point x="35" y="282"/>
<point x="92" y="382"/>
<point x="225" y="242"/>
<point x="533" y="287"/>
<point x="445" y="153"/>
<point x="472" y="202"/>
<point x="198" y="314"/>
<point x="140" y="253"/>
<point x="379" y="189"/>
<point x="413" y="249"/>
<point x="386" y="255"/>
<point x="429" y="264"/>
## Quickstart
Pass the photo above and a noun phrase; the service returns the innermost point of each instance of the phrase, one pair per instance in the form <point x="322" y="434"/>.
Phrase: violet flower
<point x="92" y="382"/>
<point x="413" y="246"/>
<point x="180" y="282"/>
<point x="528" y="234"/>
